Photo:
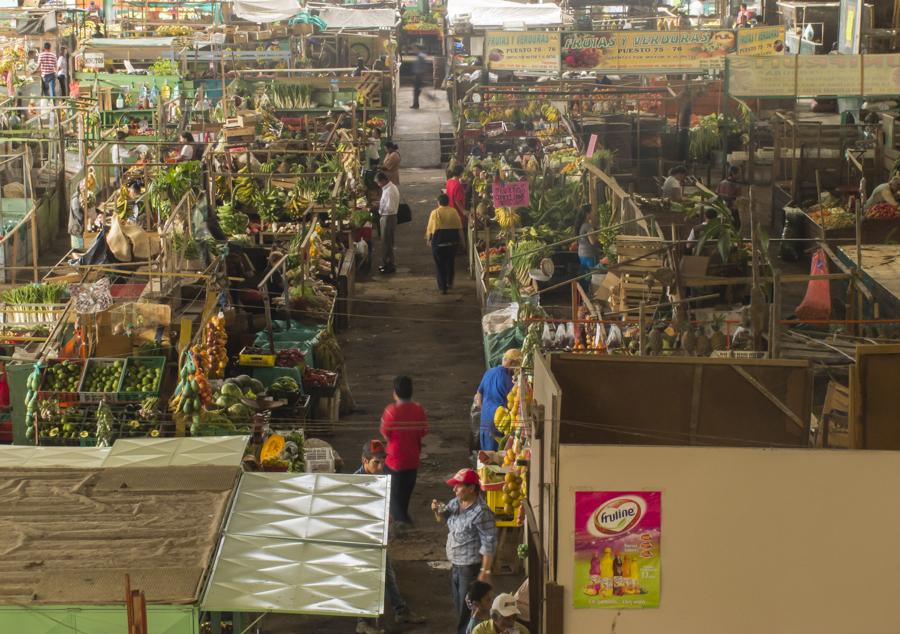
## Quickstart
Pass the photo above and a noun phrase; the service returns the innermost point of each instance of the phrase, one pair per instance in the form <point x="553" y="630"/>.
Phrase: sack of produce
<point x="118" y="241"/>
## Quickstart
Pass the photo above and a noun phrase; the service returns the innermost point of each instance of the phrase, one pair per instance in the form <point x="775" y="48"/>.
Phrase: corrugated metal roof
<point x="303" y="543"/>
<point x="14" y="456"/>
<point x="225" y="451"/>
<point x="325" y="507"/>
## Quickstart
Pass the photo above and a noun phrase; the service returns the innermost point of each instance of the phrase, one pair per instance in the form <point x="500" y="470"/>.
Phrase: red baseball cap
<point x="464" y="476"/>
<point x="374" y="449"/>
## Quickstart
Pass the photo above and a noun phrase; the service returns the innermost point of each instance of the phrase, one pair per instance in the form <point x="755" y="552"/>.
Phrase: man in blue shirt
<point x="492" y="392"/>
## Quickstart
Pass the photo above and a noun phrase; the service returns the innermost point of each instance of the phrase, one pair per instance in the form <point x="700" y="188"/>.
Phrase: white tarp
<point x="495" y="13"/>
<point x="265" y="11"/>
<point x="340" y="18"/>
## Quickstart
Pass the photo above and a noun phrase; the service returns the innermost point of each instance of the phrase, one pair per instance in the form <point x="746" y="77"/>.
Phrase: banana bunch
<point x="296" y="204"/>
<point x="531" y="344"/>
<point x="549" y="113"/>
<point x="173" y="30"/>
<point x="214" y="355"/>
<point x="270" y="203"/>
<point x="233" y="223"/>
<point x="122" y="202"/>
<point x="104" y="424"/>
<point x="31" y="397"/>
<point x="268" y="167"/>
<point x="524" y="255"/>
<point x="328" y="352"/>
<point x="245" y="189"/>
<point x="506" y="218"/>
<point x="503" y="421"/>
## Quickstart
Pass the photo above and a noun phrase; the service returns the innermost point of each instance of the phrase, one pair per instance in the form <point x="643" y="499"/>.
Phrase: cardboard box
<point x="110" y="345"/>
<point x="241" y="38"/>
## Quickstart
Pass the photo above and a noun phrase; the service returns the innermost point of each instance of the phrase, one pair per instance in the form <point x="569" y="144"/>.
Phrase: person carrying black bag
<point x="444" y="234"/>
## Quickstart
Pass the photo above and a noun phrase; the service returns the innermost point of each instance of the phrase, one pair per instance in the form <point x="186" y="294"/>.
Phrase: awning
<point x="132" y="47"/>
<point x="303" y="543"/>
<point x="495" y="13"/>
<point x="265" y="11"/>
<point x="340" y="18"/>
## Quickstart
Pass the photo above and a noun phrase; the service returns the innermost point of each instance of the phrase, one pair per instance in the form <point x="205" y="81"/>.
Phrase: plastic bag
<point x="816" y="304"/>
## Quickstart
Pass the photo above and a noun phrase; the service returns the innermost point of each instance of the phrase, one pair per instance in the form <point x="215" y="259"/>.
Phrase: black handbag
<point x="404" y="214"/>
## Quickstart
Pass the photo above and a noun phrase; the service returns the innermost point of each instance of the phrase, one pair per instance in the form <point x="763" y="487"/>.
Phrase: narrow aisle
<point x="401" y="324"/>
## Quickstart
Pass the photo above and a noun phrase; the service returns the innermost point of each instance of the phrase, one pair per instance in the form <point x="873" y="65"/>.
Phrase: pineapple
<point x="654" y="342"/>
<point x="718" y="340"/>
<point x="703" y="346"/>
<point x="688" y="339"/>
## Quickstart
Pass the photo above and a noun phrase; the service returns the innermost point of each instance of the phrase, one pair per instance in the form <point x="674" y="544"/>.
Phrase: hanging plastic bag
<point x="816" y="304"/>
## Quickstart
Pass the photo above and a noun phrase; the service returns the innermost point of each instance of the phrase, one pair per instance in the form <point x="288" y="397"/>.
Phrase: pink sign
<point x="617" y="542"/>
<point x="592" y="145"/>
<point x="512" y="194"/>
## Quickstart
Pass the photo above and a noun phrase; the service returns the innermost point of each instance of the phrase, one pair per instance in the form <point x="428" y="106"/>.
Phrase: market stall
<point x="223" y="520"/>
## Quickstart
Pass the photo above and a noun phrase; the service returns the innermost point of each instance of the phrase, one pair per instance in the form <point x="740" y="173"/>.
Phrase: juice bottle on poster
<point x="626" y="574"/>
<point x="635" y="575"/>
<point x="618" y="579"/>
<point x="606" y="573"/>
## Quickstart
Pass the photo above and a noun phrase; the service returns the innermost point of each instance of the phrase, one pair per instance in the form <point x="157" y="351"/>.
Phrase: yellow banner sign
<point x="767" y="40"/>
<point x="522" y="51"/>
<point x="814" y="76"/>
<point x="647" y="51"/>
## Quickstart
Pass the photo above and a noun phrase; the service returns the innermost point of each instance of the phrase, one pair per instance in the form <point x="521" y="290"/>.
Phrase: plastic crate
<point x="124" y="396"/>
<point x="254" y="359"/>
<point x="267" y="376"/>
<point x="64" y="397"/>
<point x="96" y="397"/>
<point x="323" y="391"/>
<point x="319" y="460"/>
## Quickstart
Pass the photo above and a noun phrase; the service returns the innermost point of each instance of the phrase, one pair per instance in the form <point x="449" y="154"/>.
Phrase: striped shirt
<point x="47" y="63"/>
<point x="472" y="532"/>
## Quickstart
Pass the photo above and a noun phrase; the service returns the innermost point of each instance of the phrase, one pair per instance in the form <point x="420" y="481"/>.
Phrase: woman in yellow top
<point x="444" y="234"/>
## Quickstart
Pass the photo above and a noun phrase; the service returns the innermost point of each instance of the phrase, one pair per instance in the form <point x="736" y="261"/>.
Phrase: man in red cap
<point x="471" y="538"/>
<point x="373" y="457"/>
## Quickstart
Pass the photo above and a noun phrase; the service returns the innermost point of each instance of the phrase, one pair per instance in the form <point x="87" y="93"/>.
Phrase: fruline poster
<point x="617" y="549"/>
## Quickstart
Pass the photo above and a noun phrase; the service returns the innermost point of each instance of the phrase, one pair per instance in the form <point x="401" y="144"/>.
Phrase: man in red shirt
<point x="403" y="426"/>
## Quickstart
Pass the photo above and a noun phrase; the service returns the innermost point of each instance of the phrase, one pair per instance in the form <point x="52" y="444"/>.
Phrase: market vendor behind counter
<point x="887" y="192"/>
<point x="673" y="187"/>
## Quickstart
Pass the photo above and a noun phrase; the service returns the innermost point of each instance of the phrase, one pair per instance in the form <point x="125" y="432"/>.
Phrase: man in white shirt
<point x="387" y="212"/>
<point x="62" y="71"/>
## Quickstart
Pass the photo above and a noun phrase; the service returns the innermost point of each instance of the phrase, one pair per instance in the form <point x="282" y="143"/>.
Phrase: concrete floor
<point x="417" y="131"/>
<point x="402" y="324"/>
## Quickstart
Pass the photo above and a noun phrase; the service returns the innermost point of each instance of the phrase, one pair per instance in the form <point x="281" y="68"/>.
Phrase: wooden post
<point x="34" y="243"/>
<point x="755" y="294"/>
<point x="775" y="317"/>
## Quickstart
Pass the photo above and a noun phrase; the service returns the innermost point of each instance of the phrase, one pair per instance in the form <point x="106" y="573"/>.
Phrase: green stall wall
<point x="162" y="619"/>
<point x="17" y="376"/>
